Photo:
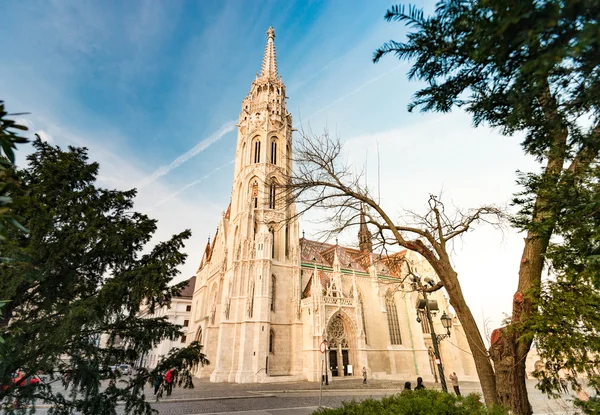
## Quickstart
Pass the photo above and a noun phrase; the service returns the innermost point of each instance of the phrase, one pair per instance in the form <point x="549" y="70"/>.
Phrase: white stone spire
<point x="269" y="65"/>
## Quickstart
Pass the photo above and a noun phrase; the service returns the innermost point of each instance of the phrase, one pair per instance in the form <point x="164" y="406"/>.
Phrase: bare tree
<point x="322" y="180"/>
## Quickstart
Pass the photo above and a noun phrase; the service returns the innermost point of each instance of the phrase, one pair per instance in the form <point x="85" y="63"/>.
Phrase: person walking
<point x="364" y="375"/>
<point x="169" y="379"/>
<point x="419" y="384"/>
<point x="157" y="382"/>
<point x="454" y="378"/>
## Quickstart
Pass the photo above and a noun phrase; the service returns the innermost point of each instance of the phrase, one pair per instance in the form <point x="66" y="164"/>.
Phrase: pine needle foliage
<point x="80" y="274"/>
<point x="10" y="131"/>
<point x="532" y="68"/>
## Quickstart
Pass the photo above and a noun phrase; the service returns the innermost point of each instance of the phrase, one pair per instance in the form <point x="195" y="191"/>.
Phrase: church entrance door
<point x="333" y="364"/>
<point x="345" y="361"/>
<point x="341" y="342"/>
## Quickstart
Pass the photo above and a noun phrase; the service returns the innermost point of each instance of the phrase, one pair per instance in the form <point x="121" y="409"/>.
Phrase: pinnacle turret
<point x="365" y="239"/>
<point x="269" y="65"/>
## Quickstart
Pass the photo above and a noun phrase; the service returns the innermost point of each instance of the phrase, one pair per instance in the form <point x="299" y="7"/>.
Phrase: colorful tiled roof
<point x="350" y="259"/>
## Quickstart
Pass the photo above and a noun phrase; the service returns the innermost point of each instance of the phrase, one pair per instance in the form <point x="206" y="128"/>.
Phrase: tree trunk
<point x="509" y="363"/>
<point x="508" y="353"/>
<point x="485" y="371"/>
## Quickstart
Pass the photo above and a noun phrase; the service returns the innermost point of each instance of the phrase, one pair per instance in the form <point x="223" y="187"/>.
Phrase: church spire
<point x="365" y="240"/>
<point x="269" y="65"/>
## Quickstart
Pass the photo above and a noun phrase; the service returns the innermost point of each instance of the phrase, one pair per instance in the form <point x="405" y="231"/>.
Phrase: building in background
<point x="265" y="298"/>
<point x="178" y="313"/>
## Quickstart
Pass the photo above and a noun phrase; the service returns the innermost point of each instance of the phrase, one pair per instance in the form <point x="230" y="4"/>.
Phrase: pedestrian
<point x="563" y="385"/>
<point x="66" y="379"/>
<point x="454" y="378"/>
<point x="169" y="379"/>
<point x="419" y="384"/>
<point x="364" y="375"/>
<point x="157" y="382"/>
<point x="406" y="387"/>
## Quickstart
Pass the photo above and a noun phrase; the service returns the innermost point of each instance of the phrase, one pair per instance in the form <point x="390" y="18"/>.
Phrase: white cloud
<point x="472" y="167"/>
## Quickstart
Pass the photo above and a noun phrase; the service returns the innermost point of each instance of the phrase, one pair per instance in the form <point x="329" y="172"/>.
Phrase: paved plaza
<point x="302" y="398"/>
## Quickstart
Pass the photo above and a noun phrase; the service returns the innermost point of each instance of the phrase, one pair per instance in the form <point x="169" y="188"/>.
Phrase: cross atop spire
<point x="269" y="64"/>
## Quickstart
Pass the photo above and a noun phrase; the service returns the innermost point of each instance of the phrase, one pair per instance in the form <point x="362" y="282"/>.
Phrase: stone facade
<point x="265" y="298"/>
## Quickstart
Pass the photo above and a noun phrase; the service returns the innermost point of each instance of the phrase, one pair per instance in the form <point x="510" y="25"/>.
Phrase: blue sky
<point x="141" y="83"/>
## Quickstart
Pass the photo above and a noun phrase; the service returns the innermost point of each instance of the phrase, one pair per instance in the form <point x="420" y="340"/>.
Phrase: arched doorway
<point x="341" y="341"/>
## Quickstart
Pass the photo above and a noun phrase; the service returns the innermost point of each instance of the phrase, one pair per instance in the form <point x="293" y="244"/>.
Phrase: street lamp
<point x="446" y="322"/>
<point x="435" y="338"/>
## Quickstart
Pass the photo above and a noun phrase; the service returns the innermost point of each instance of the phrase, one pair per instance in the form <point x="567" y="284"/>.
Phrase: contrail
<point x="187" y="186"/>
<point x="297" y="85"/>
<point x="198" y="148"/>
<point x="343" y="97"/>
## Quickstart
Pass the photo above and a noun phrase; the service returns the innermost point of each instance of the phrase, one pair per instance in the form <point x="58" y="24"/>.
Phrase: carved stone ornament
<point x="336" y="328"/>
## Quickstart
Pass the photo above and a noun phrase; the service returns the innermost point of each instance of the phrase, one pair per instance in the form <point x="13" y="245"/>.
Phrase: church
<point x="270" y="305"/>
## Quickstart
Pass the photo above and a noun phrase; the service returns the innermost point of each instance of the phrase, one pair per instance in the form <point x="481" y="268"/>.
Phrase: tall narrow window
<point x="255" y="194"/>
<point x="271" y="341"/>
<point x="251" y="307"/>
<point x="362" y="315"/>
<point x="424" y="322"/>
<point x="274" y="152"/>
<point x="392" y="315"/>
<point x="287" y="242"/>
<point x="272" y="195"/>
<point x="272" y="242"/>
<point x="257" y="151"/>
<point x="273" y="293"/>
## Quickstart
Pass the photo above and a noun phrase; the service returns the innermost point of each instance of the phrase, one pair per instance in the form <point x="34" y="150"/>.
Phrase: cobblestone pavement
<point x="301" y="398"/>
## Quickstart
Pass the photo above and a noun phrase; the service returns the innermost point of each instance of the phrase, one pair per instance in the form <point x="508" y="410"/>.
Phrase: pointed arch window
<point x="272" y="195"/>
<point x="272" y="231"/>
<point x="257" y="151"/>
<point x="272" y="292"/>
<point x="273" y="152"/>
<point x="393" y="324"/>
<point x="255" y="194"/>
<point x="287" y="242"/>
<point x="362" y="316"/>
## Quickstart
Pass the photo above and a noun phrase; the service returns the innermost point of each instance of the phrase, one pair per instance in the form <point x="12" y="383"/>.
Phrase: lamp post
<point x="435" y="338"/>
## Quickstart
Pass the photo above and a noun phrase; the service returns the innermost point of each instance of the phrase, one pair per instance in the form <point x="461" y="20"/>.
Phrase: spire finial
<point x="269" y="65"/>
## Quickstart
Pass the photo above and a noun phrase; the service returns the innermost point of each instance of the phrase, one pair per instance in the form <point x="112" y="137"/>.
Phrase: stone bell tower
<point x="262" y="307"/>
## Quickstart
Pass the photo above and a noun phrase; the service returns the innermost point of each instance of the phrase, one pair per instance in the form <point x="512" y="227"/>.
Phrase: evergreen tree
<point x="529" y="67"/>
<point x="568" y="324"/>
<point x="79" y="274"/>
<point x="9" y="138"/>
